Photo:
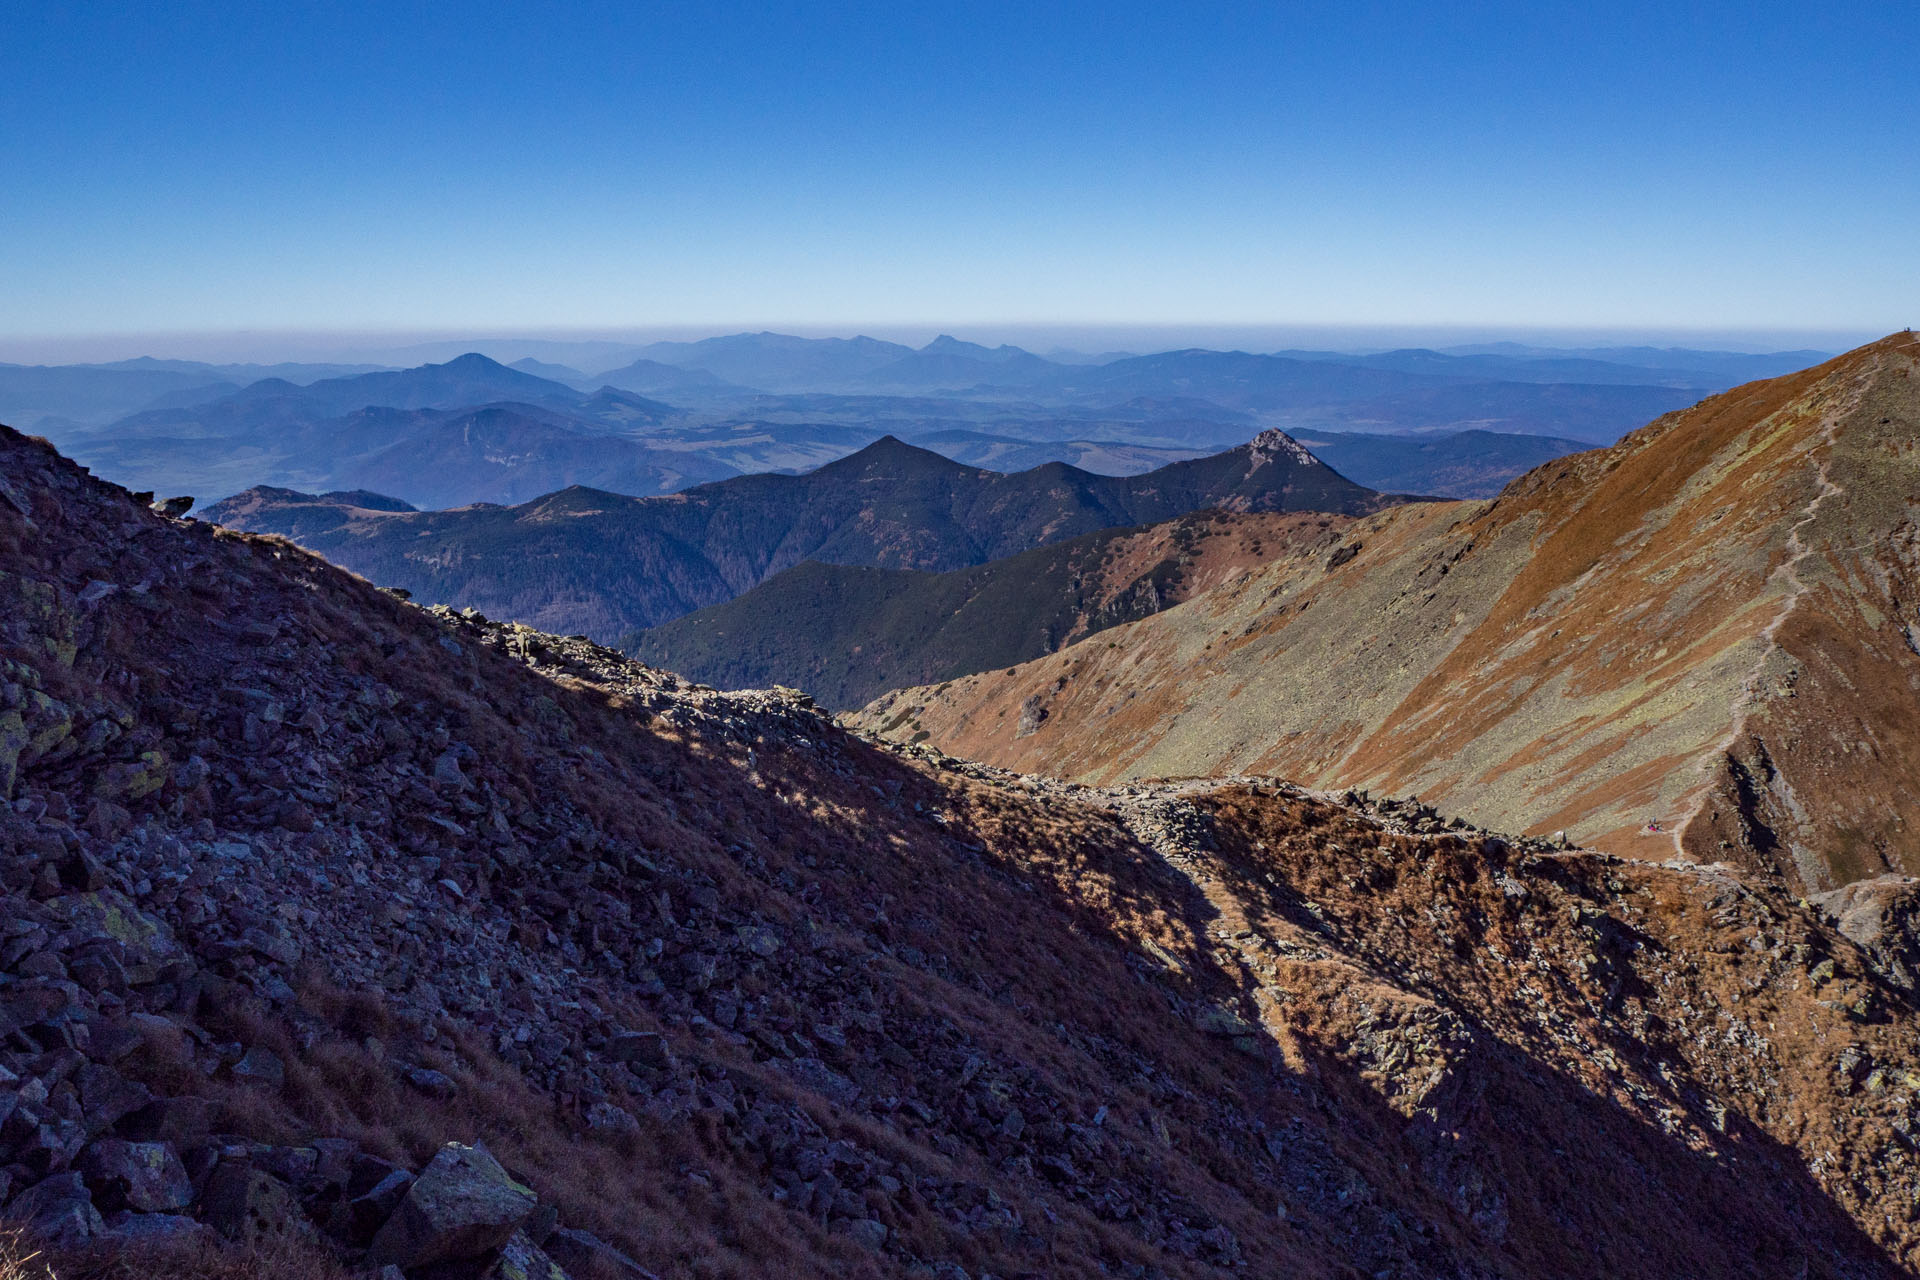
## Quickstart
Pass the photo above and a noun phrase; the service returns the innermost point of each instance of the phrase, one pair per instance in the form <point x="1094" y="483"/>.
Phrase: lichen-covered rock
<point x="133" y="779"/>
<point x="463" y="1205"/>
<point x="522" y="1259"/>
<point x="13" y="740"/>
<point x="145" y="1177"/>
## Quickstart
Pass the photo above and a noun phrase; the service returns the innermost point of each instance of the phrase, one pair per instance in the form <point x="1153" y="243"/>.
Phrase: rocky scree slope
<point x="604" y="565"/>
<point x="847" y="634"/>
<point x="343" y="933"/>
<point x="1713" y="626"/>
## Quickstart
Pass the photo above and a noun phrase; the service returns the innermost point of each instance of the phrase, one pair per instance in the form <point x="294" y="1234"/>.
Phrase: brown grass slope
<point x="1713" y="625"/>
<point x="916" y="1017"/>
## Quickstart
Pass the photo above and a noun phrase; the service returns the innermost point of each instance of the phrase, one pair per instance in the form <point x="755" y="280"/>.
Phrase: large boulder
<point x="58" y="1210"/>
<point x="463" y="1205"/>
<point x="145" y="1177"/>
<point x="245" y="1204"/>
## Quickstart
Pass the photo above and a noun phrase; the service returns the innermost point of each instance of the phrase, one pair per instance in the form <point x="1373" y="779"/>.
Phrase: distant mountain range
<point x="662" y="416"/>
<point x="411" y="433"/>
<point x="1709" y="626"/>
<point x="83" y="394"/>
<point x="848" y="634"/>
<point x="588" y="561"/>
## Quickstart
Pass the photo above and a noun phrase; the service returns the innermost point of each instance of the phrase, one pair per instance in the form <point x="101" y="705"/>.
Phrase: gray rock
<point x="1216" y="1020"/>
<point x="144" y="1177"/>
<point x="244" y="1204"/>
<point x="583" y="1253"/>
<point x="107" y="1097"/>
<point x="58" y="1210"/>
<point x="463" y="1205"/>
<point x="647" y="1048"/>
<point x="759" y="939"/>
<point x="446" y="770"/>
<point x="436" y="1084"/>
<point x="260" y="1066"/>
<point x="522" y="1259"/>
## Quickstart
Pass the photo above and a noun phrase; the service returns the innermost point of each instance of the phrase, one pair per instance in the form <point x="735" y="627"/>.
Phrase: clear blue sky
<point x="190" y="166"/>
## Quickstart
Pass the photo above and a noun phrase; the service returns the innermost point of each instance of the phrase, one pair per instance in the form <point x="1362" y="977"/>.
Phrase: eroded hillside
<point x="1713" y="626"/>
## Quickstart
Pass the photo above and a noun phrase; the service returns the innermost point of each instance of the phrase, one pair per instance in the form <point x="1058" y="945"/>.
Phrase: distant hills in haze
<point x="471" y="430"/>
<point x="1465" y="464"/>
<point x="655" y="418"/>
<point x="583" y="560"/>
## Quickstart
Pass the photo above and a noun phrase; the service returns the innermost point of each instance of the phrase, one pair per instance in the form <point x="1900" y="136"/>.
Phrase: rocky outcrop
<point x="1882" y="915"/>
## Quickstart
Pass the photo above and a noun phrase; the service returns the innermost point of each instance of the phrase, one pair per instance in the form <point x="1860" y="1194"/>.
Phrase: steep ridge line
<point x="1789" y="568"/>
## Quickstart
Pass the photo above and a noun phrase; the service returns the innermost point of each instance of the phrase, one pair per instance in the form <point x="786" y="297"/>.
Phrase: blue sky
<point x="196" y="167"/>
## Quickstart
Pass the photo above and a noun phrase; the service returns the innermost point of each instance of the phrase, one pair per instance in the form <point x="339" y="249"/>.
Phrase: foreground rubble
<point x="345" y="935"/>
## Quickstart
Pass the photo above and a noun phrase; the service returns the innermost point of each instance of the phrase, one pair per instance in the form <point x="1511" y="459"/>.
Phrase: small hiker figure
<point x="1653" y="827"/>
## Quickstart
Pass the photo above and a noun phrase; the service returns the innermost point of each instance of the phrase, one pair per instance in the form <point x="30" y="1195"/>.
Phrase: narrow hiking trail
<point x="1788" y="570"/>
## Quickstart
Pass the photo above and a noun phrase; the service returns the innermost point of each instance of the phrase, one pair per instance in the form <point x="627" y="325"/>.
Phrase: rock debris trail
<point x="1788" y="571"/>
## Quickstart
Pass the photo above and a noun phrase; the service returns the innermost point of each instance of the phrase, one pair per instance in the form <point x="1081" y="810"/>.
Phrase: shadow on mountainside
<point x="1571" y="1120"/>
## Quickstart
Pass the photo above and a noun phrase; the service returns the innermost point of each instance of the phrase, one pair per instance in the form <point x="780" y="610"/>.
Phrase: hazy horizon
<point x="422" y="346"/>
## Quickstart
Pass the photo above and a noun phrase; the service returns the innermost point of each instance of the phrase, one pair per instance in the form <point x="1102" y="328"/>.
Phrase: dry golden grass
<point x="200" y="1258"/>
<point x="19" y="1260"/>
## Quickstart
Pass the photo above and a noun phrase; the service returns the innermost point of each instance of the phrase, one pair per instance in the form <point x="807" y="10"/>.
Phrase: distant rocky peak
<point x="1275" y="443"/>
